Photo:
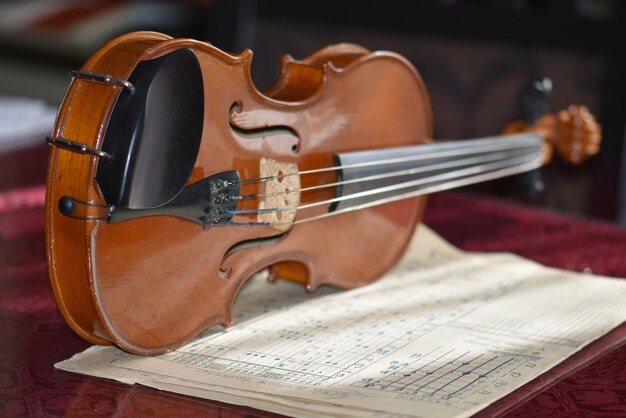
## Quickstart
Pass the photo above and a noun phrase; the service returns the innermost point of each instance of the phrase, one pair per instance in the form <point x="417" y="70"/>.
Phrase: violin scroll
<point x="573" y="133"/>
<point x="578" y="135"/>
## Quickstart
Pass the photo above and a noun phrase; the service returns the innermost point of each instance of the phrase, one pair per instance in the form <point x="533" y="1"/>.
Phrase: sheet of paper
<point x="444" y="335"/>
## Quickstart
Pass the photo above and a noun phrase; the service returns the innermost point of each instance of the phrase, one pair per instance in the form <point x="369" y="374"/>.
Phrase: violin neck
<point x="368" y="178"/>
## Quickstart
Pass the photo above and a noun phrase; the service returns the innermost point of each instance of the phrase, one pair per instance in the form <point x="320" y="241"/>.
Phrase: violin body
<point x="151" y="283"/>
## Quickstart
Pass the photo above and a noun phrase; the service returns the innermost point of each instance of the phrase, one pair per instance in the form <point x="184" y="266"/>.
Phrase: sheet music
<point x="445" y="334"/>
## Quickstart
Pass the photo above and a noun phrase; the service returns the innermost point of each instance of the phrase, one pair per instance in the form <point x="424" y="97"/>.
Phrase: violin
<point x="172" y="180"/>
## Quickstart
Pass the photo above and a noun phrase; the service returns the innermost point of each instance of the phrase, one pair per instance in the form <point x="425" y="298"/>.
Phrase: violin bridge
<point x="282" y="192"/>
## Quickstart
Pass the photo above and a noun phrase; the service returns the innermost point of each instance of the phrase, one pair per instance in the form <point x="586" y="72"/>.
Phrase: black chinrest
<point x="154" y="133"/>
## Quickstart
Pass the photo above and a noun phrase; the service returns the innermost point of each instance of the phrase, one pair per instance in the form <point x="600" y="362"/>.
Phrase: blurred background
<point x="474" y="55"/>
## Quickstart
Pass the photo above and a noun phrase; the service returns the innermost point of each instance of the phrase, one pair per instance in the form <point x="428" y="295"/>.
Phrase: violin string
<point x="426" y="189"/>
<point x="477" y="169"/>
<point x="230" y="223"/>
<point x="511" y="170"/>
<point x="476" y="146"/>
<point x="247" y="211"/>
<point x="450" y="177"/>
<point x="398" y="173"/>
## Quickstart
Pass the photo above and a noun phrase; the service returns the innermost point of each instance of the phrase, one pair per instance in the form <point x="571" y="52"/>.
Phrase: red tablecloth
<point x="33" y="336"/>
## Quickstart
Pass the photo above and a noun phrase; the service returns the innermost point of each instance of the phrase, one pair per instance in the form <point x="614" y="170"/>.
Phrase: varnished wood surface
<point x="151" y="284"/>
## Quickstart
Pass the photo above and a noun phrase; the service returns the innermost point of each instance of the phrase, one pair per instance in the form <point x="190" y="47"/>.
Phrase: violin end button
<point x="67" y="206"/>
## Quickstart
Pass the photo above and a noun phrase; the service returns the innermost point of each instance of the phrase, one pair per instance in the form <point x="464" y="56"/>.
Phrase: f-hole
<point x="261" y="131"/>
